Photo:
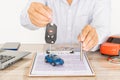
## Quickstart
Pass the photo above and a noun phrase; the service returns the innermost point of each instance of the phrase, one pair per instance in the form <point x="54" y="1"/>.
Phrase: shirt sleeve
<point x="101" y="20"/>
<point x="24" y="17"/>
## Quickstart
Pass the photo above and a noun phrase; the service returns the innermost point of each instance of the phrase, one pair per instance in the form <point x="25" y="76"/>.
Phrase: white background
<point x="11" y="30"/>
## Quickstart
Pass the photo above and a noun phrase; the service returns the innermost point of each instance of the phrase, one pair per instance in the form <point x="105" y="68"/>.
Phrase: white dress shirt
<point x="71" y="19"/>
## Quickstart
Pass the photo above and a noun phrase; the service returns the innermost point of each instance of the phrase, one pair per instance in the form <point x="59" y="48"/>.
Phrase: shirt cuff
<point x="25" y="21"/>
<point x="103" y="34"/>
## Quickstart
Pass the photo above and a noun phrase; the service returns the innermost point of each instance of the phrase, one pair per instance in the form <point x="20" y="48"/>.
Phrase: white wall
<point x="11" y="30"/>
<point x="115" y="18"/>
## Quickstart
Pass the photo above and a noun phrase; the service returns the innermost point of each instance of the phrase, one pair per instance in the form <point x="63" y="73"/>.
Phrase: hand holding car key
<point x="51" y="32"/>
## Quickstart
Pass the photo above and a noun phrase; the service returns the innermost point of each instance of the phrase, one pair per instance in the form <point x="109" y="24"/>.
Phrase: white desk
<point x="104" y="70"/>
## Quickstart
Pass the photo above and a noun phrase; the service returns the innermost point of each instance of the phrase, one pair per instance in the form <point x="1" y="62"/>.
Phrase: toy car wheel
<point x="72" y="52"/>
<point x="53" y="64"/>
<point x="47" y="52"/>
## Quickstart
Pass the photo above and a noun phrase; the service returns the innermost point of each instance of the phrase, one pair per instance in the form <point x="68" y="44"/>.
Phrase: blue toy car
<point x="53" y="60"/>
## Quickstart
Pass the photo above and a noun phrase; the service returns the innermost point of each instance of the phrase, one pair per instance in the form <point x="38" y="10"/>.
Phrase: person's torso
<point x="70" y="19"/>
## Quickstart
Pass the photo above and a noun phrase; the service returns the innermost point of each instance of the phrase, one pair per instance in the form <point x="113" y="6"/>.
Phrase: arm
<point x="101" y="19"/>
<point x="99" y="28"/>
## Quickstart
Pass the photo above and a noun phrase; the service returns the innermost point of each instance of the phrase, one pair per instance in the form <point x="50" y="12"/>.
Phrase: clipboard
<point x="39" y="68"/>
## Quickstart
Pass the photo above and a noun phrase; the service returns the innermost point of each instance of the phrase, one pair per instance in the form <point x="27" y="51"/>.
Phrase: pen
<point x="81" y="51"/>
<point x="46" y="4"/>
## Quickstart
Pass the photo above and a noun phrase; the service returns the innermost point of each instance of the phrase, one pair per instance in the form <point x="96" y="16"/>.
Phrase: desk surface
<point x="104" y="69"/>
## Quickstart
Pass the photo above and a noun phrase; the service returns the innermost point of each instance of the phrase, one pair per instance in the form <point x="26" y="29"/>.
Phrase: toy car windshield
<point x="55" y="57"/>
<point x="114" y="40"/>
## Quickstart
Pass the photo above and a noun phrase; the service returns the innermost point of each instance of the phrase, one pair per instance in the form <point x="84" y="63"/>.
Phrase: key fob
<point x="51" y="33"/>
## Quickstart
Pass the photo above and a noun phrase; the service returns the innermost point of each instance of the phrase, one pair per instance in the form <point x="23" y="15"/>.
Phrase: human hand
<point x="89" y="37"/>
<point x="39" y="14"/>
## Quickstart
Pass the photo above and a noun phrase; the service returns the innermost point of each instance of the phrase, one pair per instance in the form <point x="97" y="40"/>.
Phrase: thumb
<point x="80" y="39"/>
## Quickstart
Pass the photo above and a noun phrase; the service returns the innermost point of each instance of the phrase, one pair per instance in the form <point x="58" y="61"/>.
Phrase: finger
<point x="33" y="20"/>
<point x="37" y="22"/>
<point x="43" y="10"/>
<point x="92" y="43"/>
<point x="40" y="17"/>
<point x="89" y="37"/>
<point x="37" y="15"/>
<point x="48" y="9"/>
<point x="79" y="38"/>
<point x="85" y="32"/>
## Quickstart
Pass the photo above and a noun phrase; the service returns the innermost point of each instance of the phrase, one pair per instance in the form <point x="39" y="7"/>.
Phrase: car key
<point x="51" y="33"/>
